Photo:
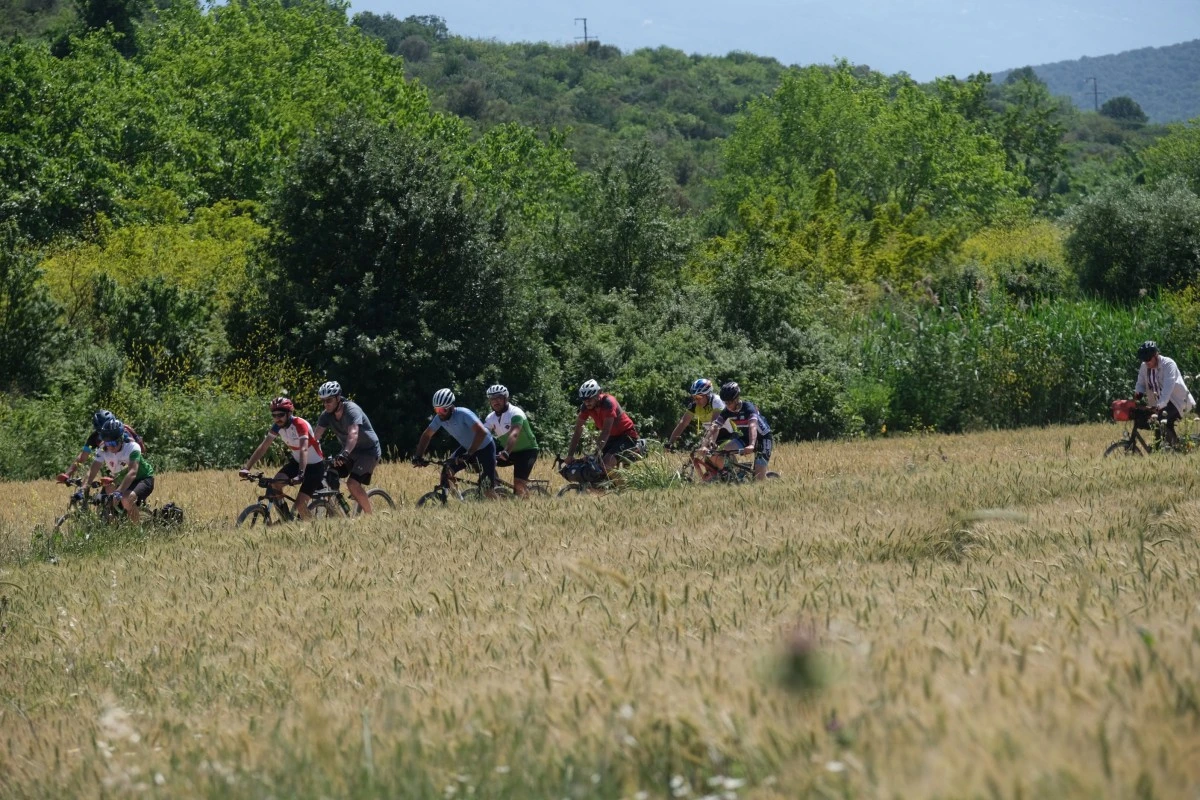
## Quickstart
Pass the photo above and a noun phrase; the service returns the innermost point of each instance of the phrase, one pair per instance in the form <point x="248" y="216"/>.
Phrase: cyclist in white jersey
<point x="307" y="466"/>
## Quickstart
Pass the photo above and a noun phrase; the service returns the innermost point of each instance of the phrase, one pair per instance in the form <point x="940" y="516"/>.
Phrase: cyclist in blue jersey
<point x="475" y="445"/>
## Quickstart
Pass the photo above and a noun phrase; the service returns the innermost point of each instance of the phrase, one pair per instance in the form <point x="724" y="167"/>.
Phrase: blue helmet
<point x="701" y="386"/>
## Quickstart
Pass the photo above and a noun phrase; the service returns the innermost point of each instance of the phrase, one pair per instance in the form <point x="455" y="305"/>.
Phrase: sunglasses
<point x="108" y="443"/>
<point x="279" y="413"/>
<point x="441" y="409"/>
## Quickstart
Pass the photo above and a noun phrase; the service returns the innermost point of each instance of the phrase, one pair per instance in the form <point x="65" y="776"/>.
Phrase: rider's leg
<point x="140" y="490"/>
<point x="360" y="478"/>
<point x="485" y="458"/>
<point x="762" y="457"/>
<point x="1172" y="414"/>
<point x="522" y="467"/>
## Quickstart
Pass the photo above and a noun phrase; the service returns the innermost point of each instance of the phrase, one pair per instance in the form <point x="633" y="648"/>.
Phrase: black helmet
<point x="730" y="391"/>
<point x="100" y="417"/>
<point x="1147" y="351"/>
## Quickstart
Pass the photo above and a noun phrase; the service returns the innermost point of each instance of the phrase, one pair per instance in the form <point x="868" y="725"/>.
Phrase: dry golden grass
<point x="1000" y="615"/>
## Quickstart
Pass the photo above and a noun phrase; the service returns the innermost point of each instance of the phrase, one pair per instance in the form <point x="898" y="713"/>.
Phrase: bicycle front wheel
<point x="381" y="502"/>
<point x="325" y="508"/>
<point x="434" y="499"/>
<point x="256" y="514"/>
<point x="571" y="488"/>
<point x="1124" y="447"/>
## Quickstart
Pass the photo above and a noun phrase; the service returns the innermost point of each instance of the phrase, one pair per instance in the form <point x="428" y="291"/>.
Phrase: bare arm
<point x="351" y="440"/>
<point x="684" y="421"/>
<point x="511" y="442"/>
<point x="575" y="437"/>
<point x="421" y="445"/>
<point x="604" y="434"/>
<point x="260" y="451"/>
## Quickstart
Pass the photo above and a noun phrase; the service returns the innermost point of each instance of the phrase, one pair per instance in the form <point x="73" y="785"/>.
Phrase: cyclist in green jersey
<point x="513" y="433"/>
<point x="132" y="473"/>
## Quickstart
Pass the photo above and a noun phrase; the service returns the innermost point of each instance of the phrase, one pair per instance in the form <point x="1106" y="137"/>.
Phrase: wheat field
<point x="1000" y="614"/>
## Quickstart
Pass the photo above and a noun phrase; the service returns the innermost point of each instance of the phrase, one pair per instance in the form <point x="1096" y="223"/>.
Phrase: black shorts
<point x="762" y="450"/>
<point x="142" y="488"/>
<point x="521" y="462"/>
<point x="360" y="468"/>
<point x="723" y="436"/>
<point x="314" y="475"/>
<point x="619" y="444"/>
<point x="484" y="458"/>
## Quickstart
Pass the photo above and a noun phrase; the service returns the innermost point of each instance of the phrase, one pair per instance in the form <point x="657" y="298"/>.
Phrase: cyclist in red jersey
<point x="306" y="466"/>
<point x="617" y="432"/>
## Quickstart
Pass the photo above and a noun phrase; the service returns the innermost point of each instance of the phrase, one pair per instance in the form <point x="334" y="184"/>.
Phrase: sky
<point x="925" y="38"/>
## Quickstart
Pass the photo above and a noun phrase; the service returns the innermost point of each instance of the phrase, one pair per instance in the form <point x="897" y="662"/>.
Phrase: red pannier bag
<point x="1122" y="410"/>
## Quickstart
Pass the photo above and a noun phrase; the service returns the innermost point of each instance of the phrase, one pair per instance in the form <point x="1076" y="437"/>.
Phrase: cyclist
<point x="703" y="408"/>
<point x="92" y="445"/>
<point x="617" y="431"/>
<point x="307" y="464"/>
<point x="361" y="452"/>
<point x="753" y="432"/>
<point x="475" y="445"/>
<point x="510" y="427"/>
<point x="132" y="473"/>
<point x="1161" y="384"/>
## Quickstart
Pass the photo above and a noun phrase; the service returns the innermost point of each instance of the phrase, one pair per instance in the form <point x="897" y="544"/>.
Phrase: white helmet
<point x="589" y="389"/>
<point x="497" y="390"/>
<point x="443" y="398"/>
<point x="329" y="389"/>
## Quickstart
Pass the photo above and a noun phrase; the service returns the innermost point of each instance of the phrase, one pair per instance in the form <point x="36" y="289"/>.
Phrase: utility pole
<point x="1095" y="92"/>
<point x="585" y="36"/>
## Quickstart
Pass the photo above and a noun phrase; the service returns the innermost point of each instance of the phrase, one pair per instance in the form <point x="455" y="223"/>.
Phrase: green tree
<point x="401" y="289"/>
<point x="29" y="329"/>
<point x="1177" y="153"/>
<point x="1130" y="240"/>
<point x="1124" y="109"/>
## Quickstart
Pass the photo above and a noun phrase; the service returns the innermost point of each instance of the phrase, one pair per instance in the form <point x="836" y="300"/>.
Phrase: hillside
<point x="1165" y="81"/>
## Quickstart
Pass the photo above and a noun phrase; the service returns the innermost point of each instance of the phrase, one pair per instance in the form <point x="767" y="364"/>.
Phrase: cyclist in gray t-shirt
<point x="360" y="446"/>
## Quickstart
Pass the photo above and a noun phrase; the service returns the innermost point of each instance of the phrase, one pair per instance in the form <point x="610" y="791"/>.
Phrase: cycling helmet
<point x="329" y="389"/>
<point x="497" y="390"/>
<point x="100" y="417"/>
<point x="730" y="391"/>
<point x="589" y="389"/>
<point x="701" y="386"/>
<point x="1147" y="351"/>
<point x="283" y="404"/>
<point x="112" y="430"/>
<point x="443" y="398"/>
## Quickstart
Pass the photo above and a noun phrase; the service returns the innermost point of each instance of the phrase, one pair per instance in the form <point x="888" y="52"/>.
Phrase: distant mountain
<point x="1165" y="81"/>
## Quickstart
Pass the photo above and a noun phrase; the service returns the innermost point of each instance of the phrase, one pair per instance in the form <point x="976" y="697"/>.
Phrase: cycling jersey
<point x="128" y="457"/>
<point x="297" y="436"/>
<point x="608" y="408"/>
<point x="500" y="425"/>
<point x="461" y="426"/>
<point x="92" y="444"/>
<point x="702" y="415"/>
<point x="747" y="412"/>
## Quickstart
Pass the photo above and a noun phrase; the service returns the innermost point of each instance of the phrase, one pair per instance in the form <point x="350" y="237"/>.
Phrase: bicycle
<point x="273" y="498"/>
<point x="82" y="504"/>
<point x="1141" y="418"/>
<point x="733" y="471"/>
<point x="589" y="475"/>
<point x="330" y="501"/>
<point x="448" y="486"/>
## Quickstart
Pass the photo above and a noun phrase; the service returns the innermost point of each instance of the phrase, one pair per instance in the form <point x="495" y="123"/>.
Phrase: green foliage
<point x="1177" y="153"/>
<point x="29" y="330"/>
<point x="907" y="147"/>
<point x="1125" y="109"/>
<point x="401" y="275"/>
<point x="1131" y="240"/>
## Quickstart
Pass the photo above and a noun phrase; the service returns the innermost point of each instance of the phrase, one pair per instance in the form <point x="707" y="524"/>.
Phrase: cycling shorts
<point x="522" y="463"/>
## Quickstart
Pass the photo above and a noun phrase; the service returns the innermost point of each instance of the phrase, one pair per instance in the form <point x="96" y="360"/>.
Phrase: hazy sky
<point x="925" y="38"/>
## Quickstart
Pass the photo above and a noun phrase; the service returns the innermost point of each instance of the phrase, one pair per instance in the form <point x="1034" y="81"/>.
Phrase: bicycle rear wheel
<point x="571" y="488"/>
<point x="773" y="474"/>
<point x="539" y="488"/>
<point x="256" y="514"/>
<point x="325" y="508"/>
<point x="1124" y="447"/>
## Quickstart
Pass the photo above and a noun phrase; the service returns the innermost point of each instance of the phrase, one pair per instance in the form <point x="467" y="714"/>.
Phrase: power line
<point x="1095" y="91"/>
<point x="585" y="36"/>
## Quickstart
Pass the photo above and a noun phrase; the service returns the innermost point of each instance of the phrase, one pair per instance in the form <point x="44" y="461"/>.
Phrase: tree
<point x="1132" y="239"/>
<point x="1124" y="109"/>
<point x="384" y="271"/>
<point x="1177" y="153"/>
<point x="1026" y="74"/>
<point x="29" y="331"/>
